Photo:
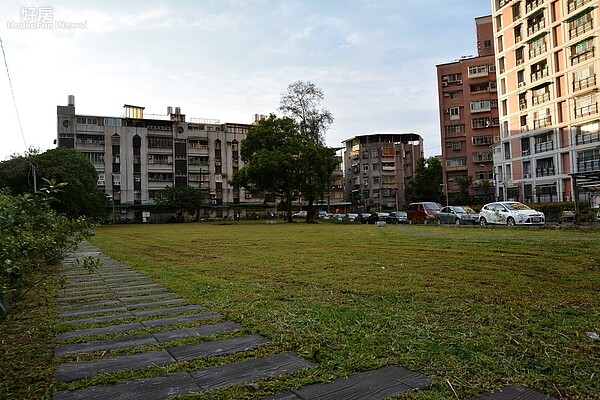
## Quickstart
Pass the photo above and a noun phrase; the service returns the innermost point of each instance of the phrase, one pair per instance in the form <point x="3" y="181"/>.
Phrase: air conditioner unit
<point x="213" y="202"/>
<point x="446" y="111"/>
<point x="521" y="84"/>
<point x="459" y="82"/>
<point x="526" y="176"/>
<point x="444" y="84"/>
<point x="248" y="196"/>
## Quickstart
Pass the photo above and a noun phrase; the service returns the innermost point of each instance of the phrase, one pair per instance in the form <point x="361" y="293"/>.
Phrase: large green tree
<point x="180" y="199"/>
<point x="427" y="183"/>
<point x="81" y="195"/>
<point x="271" y="152"/>
<point x="302" y="102"/>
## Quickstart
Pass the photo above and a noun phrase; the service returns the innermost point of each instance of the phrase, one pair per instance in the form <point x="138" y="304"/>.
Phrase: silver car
<point x="457" y="215"/>
<point x="510" y="213"/>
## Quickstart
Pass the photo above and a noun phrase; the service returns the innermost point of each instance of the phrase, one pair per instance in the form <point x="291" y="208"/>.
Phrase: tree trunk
<point x="311" y="212"/>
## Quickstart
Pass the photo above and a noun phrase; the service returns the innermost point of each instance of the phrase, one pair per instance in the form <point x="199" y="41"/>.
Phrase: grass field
<point x="473" y="308"/>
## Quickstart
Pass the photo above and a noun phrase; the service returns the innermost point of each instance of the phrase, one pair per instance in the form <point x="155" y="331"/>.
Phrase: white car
<point x="510" y="213"/>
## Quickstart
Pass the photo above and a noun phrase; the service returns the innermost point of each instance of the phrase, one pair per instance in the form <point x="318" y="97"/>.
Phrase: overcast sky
<point x="230" y="59"/>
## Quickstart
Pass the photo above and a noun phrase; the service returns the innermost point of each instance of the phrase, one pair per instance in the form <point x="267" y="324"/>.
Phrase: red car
<point x="419" y="213"/>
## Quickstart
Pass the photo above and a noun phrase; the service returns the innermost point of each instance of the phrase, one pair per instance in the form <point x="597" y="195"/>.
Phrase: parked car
<point x="352" y="216"/>
<point x="457" y="215"/>
<point x="377" y="217"/>
<point x="397" y="217"/>
<point x="299" y="214"/>
<point x="363" y="217"/>
<point x="510" y="213"/>
<point x="418" y="213"/>
<point x="322" y="214"/>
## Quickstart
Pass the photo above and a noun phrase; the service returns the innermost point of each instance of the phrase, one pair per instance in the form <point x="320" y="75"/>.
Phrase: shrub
<point x="32" y="235"/>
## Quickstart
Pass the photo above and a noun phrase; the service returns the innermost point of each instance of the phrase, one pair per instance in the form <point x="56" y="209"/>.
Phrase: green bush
<point x="31" y="235"/>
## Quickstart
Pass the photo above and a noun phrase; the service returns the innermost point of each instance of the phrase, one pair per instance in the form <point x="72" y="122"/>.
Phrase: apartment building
<point x="378" y="166"/>
<point x="469" y="122"/>
<point x="548" y="96"/>
<point x="137" y="155"/>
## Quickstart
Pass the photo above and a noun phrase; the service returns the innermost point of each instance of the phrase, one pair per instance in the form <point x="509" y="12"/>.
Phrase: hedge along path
<point x="115" y="320"/>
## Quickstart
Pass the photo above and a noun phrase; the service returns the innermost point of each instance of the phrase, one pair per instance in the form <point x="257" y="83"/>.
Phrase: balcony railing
<point x="586" y="110"/>
<point x="577" y="58"/>
<point x="540" y="99"/>
<point x="483" y="157"/>
<point x="532" y="5"/>
<point x="542" y="122"/>
<point x="538" y="51"/>
<point x="544" y="146"/>
<point x="536" y="27"/>
<point x="539" y="172"/>
<point x="541" y="73"/>
<point x="575" y="4"/>
<point x="587" y="138"/>
<point x="588" y="165"/>
<point x="584" y="83"/>
<point x="588" y="26"/>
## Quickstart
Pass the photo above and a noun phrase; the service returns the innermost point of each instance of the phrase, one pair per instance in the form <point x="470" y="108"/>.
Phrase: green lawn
<point x="474" y="308"/>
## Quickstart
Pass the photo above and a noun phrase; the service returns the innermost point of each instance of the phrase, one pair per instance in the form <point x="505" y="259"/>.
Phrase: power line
<point x="13" y="95"/>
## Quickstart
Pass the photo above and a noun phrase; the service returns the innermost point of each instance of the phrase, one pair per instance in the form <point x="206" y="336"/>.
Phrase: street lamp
<point x="445" y="190"/>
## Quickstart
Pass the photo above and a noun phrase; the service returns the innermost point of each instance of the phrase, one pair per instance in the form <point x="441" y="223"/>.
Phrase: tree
<point x="271" y="152"/>
<point x="81" y="195"/>
<point x="180" y="199"/>
<point x="427" y="183"/>
<point x="302" y="102"/>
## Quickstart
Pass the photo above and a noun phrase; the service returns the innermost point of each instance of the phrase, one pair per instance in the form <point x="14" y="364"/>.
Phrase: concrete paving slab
<point x="140" y="291"/>
<point x="105" y="310"/>
<point x="133" y="287"/>
<point x="371" y="385"/>
<point x="104" y="344"/>
<point x="79" y="298"/>
<point x="181" y="319"/>
<point x="170" y="310"/>
<point x="203" y="330"/>
<point x="137" y="306"/>
<point x="82" y="306"/>
<point x="217" y="347"/>
<point x="250" y="370"/>
<point x="94" y="320"/>
<point x="73" y="371"/>
<point x="157" y="388"/>
<point x="105" y="330"/>
<point x="513" y="392"/>
<point x="147" y="297"/>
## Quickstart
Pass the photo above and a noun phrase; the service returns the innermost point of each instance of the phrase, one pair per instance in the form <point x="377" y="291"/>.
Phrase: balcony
<point x="587" y="138"/>
<point x="574" y="32"/>
<point x="576" y="4"/>
<point x="588" y="165"/>
<point x="544" y="146"/>
<point x="541" y="172"/>
<point x="532" y="5"/>
<point x="536" y="27"/>
<point x="539" y="51"/>
<point x="577" y="58"/>
<point x="542" y="122"/>
<point x="539" y="74"/>
<point x="535" y="100"/>
<point x="584" y="83"/>
<point x="586" y="110"/>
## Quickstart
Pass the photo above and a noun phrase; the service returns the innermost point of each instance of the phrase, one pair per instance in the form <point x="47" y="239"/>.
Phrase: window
<point x="450" y="78"/>
<point x="375" y="180"/>
<point x="480" y="105"/>
<point x="160" y="142"/>
<point x="479" y="70"/>
<point x="582" y="51"/>
<point x="116" y="178"/>
<point x="112" y="121"/>
<point x="487" y="44"/>
<point x="455" y="130"/>
<point x="87" y="120"/>
<point x="456" y="162"/>
<point x="580" y="25"/>
<point x="101" y="179"/>
<point x="588" y="160"/>
<point x="454" y="113"/>
<point x="375" y="167"/>
<point x="537" y="47"/>
<point x="198" y="160"/>
<point x="388" y="152"/>
<point x="198" y="144"/>
<point x="95" y="158"/>
<point x="160" y="177"/>
<point x="374" y="153"/>
<point x="453" y="95"/>
<point x="587" y="133"/>
<point x="160" y="159"/>
<point x="480" y="123"/>
<point x="365" y="168"/>
<point x="585" y="105"/>
<point x="366" y="182"/>
<point x="482" y="140"/>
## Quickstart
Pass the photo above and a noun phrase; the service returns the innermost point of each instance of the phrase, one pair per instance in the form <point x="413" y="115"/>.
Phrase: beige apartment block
<point x="378" y="166"/>
<point x="137" y="155"/>
<point x="469" y="123"/>
<point x="547" y="64"/>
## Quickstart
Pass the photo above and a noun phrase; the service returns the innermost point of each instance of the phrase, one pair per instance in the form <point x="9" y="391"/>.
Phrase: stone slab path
<point x="117" y="310"/>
